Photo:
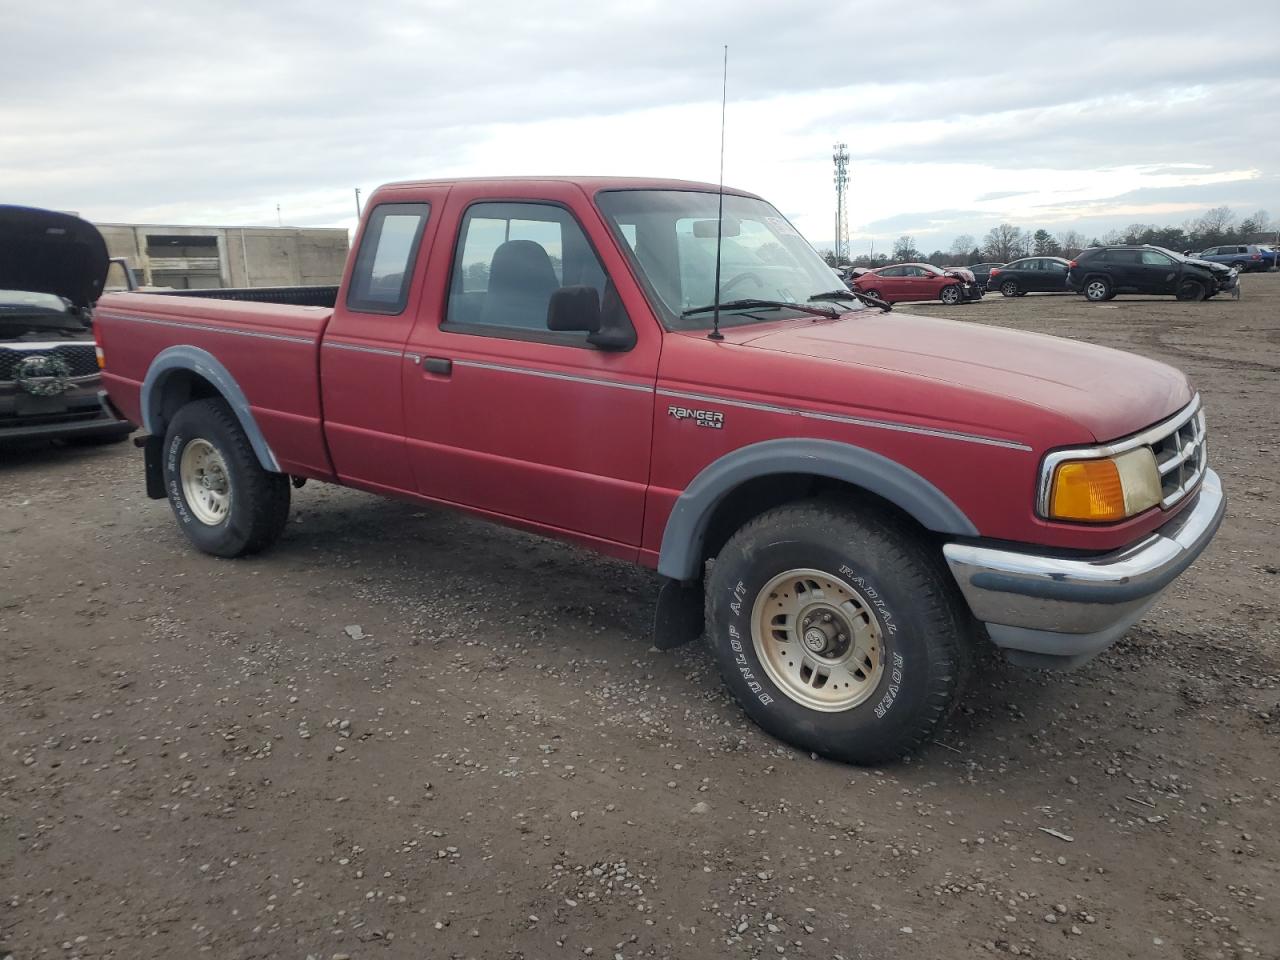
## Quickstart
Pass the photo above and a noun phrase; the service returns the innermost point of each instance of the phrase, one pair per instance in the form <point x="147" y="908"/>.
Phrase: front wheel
<point x="836" y="631"/>
<point x="1191" y="290"/>
<point x="950" y="295"/>
<point x="1009" y="289"/>
<point x="225" y="502"/>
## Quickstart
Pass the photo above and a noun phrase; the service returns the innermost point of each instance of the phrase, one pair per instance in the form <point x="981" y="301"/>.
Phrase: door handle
<point x="440" y="365"/>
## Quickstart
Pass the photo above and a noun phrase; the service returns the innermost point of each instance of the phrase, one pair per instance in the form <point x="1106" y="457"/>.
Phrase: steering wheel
<point x="745" y="275"/>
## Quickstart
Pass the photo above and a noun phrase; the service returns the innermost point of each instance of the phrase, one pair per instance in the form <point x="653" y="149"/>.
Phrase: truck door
<point x="363" y="348"/>
<point x="509" y="417"/>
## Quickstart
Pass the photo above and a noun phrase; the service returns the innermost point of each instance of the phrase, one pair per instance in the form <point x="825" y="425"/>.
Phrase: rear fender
<point x="185" y="358"/>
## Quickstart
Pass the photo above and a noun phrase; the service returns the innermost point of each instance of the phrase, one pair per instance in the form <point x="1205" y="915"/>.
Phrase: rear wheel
<point x="836" y="631"/>
<point x="1097" y="289"/>
<point x="1009" y="288"/>
<point x="950" y="294"/>
<point x="225" y="502"/>
<point x="874" y="293"/>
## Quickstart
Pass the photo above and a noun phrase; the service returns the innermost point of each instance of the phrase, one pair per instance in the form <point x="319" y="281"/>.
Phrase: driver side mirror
<point x="575" y="308"/>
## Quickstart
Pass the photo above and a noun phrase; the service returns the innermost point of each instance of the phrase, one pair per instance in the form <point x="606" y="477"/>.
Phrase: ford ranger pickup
<point x="846" y="501"/>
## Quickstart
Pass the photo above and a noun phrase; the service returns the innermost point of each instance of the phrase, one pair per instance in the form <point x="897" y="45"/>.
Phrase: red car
<point x="919" y="281"/>
<point x="877" y="493"/>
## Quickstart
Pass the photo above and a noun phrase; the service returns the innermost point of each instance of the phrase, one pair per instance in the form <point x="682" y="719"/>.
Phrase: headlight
<point x="1102" y="489"/>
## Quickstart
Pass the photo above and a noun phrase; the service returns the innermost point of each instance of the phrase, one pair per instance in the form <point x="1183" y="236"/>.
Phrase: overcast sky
<point x="957" y="116"/>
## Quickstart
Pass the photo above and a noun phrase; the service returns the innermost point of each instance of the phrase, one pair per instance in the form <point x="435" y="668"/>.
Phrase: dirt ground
<point x="402" y="733"/>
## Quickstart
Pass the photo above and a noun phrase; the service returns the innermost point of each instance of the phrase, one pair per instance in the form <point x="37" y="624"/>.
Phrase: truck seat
<point x="521" y="281"/>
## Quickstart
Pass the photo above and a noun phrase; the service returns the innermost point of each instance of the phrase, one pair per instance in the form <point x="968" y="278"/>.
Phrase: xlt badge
<point x="713" y="419"/>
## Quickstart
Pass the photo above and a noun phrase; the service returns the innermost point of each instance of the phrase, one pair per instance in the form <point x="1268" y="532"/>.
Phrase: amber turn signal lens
<point x="102" y="360"/>
<point x="1087" y="490"/>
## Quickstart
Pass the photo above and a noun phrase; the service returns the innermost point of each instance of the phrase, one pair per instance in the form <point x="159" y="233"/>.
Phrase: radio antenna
<point x="715" y="333"/>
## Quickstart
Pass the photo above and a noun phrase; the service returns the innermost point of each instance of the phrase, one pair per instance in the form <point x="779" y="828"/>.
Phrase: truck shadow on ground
<point x="604" y="608"/>
<point x="16" y="455"/>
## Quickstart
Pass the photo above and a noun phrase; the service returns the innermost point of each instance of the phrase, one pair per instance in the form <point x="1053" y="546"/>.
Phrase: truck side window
<point x="384" y="265"/>
<point x="510" y="258"/>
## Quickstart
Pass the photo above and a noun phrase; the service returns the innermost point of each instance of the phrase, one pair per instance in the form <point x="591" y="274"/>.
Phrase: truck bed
<point x="306" y="296"/>
<point x="269" y="348"/>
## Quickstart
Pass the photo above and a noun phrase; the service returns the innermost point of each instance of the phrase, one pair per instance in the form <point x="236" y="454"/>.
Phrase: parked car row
<point x="1098" y="273"/>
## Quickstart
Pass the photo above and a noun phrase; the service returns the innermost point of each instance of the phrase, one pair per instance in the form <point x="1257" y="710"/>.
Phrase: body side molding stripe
<point x="856" y="421"/>
<point x="361" y="348"/>
<point x="553" y="375"/>
<point x="207" y="328"/>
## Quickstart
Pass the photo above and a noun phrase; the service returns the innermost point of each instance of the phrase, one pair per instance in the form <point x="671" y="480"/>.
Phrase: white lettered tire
<point x="838" y="631"/>
<point x="223" y="499"/>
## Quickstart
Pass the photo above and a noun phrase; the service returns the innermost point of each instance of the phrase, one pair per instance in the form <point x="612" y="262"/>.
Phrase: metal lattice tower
<point x="841" y="159"/>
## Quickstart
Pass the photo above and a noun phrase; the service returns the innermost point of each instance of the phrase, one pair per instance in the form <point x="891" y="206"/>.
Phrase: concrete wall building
<point x="205" y="257"/>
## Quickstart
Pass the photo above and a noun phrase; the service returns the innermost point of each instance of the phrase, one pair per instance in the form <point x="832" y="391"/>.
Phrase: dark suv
<point x="1102" y="272"/>
<point x="52" y="268"/>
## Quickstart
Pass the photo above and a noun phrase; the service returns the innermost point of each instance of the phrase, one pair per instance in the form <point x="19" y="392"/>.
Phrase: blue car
<point x="1243" y="256"/>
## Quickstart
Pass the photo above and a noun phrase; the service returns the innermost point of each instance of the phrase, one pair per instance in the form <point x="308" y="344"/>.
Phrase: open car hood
<point x="42" y="251"/>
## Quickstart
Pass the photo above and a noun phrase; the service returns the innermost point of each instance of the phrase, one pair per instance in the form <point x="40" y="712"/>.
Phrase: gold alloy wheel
<point x="205" y="483"/>
<point x="817" y="640"/>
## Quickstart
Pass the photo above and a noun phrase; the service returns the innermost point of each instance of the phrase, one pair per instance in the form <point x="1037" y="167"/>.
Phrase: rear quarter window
<point x="383" y="270"/>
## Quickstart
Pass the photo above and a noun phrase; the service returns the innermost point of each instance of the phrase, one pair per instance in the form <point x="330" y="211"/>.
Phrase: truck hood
<point x="1107" y="392"/>
<point x="42" y="251"/>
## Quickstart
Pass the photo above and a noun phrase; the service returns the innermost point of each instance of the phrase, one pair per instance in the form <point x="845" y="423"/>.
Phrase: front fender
<point x="682" y="541"/>
<point x="205" y="365"/>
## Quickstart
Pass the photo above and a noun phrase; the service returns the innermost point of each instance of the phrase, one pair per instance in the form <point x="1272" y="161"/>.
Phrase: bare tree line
<point x="1007" y="241"/>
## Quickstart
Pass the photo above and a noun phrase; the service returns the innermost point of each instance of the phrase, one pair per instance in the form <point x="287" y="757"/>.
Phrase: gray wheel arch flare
<point x="204" y="365"/>
<point x="681" y="552"/>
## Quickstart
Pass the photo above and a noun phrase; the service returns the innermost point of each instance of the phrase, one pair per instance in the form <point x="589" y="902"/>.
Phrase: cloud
<point x="913" y="222"/>
<point x="216" y="113"/>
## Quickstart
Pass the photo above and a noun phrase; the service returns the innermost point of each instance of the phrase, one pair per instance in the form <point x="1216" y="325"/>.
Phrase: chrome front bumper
<point x="1059" y="611"/>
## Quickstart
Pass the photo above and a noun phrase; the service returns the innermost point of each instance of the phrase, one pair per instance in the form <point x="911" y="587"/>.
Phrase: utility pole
<point x="841" y="160"/>
<point x="279" y="222"/>
<point x="357" y="203"/>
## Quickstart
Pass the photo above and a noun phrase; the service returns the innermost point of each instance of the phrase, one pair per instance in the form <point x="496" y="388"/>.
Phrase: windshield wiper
<point x="751" y="302"/>
<point x="853" y="295"/>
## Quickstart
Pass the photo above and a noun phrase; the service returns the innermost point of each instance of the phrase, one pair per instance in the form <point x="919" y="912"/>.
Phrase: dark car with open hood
<point x="52" y="269"/>
<point x="1101" y="272"/>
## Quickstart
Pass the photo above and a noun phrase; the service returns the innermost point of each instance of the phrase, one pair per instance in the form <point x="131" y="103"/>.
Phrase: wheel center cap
<point x="815" y="639"/>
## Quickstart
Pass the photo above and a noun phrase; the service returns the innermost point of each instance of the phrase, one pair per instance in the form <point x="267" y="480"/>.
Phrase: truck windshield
<point x="670" y="237"/>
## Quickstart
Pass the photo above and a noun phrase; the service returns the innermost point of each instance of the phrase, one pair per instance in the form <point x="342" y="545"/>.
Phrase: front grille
<point x="1181" y="455"/>
<point x="80" y="357"/>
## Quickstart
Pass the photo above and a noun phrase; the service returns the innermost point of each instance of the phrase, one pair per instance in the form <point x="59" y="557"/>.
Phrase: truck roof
<point x="588" y="184"/>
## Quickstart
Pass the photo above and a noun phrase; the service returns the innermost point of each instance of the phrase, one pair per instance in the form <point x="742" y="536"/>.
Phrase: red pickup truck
<point x="860" y="498"/>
